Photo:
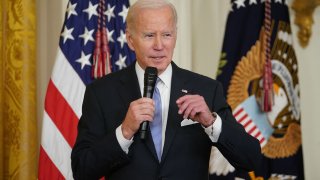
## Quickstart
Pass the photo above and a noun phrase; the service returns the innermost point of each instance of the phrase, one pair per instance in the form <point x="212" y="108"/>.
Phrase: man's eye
<point x="167" y="35"/>
<point x="148" y="35"/>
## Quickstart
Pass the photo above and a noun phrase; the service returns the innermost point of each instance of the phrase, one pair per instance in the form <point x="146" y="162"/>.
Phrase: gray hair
<point x="148" y="4"/>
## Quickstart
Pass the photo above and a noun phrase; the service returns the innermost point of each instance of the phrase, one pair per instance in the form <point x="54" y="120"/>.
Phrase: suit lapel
<point x="174" y="119"/>
<point x="129" y="87"/>
<point x="130" y="91"/>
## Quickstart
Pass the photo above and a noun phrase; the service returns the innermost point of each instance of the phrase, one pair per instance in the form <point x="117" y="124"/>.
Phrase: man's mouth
<point x="157" y="57"/>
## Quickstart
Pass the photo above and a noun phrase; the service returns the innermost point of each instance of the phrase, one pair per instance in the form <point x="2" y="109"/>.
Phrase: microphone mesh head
<point x="151" y="71"/>
<point x="150" y="75"/>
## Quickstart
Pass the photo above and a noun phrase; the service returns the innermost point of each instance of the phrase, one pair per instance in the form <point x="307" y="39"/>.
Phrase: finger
<point x="182" y="99"/>
<point x="193" y="113"/>
<point x="187" y="111"/>
<point x="147" y="111"/>
<point x="185" y="105"/>
<point x="143" y="106"/>
<point x="185" y="98"/>
<point x="146" y="117"/>
<point x="143" y="100"/>
<point x="139" y="113"/>
<point x="192" y="110"/>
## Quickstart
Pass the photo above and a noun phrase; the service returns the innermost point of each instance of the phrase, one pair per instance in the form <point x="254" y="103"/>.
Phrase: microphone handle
<point x="145" y="124"/>
<point x="150" y="77"/>
<point x="143" y="130"/>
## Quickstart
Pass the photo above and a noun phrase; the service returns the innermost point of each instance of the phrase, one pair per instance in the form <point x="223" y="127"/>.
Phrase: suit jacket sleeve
<point x="96" y="152"/>
<point x="238" y="147"/>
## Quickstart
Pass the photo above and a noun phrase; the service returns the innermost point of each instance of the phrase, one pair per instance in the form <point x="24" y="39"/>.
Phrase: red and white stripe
<point x="246" y="121"/>
<point x="62" y="112"/>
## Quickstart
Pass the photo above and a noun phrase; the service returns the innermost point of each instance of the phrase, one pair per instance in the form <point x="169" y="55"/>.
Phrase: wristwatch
<point x="214" y="115"/>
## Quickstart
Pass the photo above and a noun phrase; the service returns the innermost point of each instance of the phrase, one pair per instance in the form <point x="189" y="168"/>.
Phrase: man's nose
<point x="158" y="44"/>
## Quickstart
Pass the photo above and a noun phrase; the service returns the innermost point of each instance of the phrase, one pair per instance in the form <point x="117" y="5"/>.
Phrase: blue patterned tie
<point x="156" y="124"/>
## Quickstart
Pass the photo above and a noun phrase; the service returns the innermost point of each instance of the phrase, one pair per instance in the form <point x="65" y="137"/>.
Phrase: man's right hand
<point x="139" y="110"/>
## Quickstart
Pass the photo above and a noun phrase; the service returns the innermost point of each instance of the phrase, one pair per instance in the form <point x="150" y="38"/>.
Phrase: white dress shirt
<point x="164" y="87"/>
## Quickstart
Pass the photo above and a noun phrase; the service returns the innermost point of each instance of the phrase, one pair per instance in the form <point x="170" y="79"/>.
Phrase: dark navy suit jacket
<point x="186" y="150"/>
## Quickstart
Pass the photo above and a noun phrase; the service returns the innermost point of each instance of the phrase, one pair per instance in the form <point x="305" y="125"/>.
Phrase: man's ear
<point x="129" y="40"/>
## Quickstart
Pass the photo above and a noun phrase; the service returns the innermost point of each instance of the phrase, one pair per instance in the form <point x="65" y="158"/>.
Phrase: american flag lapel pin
<point x="184" y="91"/>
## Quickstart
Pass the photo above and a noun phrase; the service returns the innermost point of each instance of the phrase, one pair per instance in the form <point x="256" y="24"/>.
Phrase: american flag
<point x="72" y="72"/>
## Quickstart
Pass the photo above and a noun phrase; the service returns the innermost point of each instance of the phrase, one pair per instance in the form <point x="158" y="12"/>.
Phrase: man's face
<point x="153" y="37"/>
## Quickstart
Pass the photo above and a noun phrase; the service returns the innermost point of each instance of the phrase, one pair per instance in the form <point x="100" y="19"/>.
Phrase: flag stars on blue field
<point x="77" y="38"/>
<point x="110" y="34"/>
<point x="71" y="10"/>
<point x="124" y="13"/>
<point x="241" y="3"/>
<point x="252" y="2"/>
<point x="87" y="35"/>
<point x="67" y="34"/>
<point x="84" y="60"/>
<point x="121" y="62"/>
<point x="110" y="12"/>
<point x="122" y="38"/>
<point x="91" y="10"/>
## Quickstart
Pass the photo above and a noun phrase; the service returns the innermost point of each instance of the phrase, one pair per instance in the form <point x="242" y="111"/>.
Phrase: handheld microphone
<point x="150" y="77"/>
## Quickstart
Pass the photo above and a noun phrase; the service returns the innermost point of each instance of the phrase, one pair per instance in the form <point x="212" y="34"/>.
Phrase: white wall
<point x="200" y="32"/>
<point x="309" y="64"/>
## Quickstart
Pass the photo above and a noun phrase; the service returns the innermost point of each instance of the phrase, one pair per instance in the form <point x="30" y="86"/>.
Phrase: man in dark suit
<point x="194" y="113"/>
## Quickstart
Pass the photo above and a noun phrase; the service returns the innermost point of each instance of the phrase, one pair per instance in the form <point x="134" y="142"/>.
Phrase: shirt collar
<point x="165" y="76"/>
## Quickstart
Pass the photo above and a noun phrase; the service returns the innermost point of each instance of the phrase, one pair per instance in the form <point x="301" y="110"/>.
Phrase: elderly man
<point x="192" y="114"/>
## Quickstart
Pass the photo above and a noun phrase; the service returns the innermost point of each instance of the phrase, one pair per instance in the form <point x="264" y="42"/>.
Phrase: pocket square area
<point x="187" y="122"/>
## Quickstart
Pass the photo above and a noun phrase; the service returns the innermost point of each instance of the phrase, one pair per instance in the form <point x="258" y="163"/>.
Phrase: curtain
<point x="18" y="123"/>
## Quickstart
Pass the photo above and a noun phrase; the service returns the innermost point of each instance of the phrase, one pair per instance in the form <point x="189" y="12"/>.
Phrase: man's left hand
<point x="194" y="107"/>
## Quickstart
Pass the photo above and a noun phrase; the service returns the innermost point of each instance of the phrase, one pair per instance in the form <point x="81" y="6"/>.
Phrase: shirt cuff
<point x="124" y="143"/>
<point x="214" y="130"/>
